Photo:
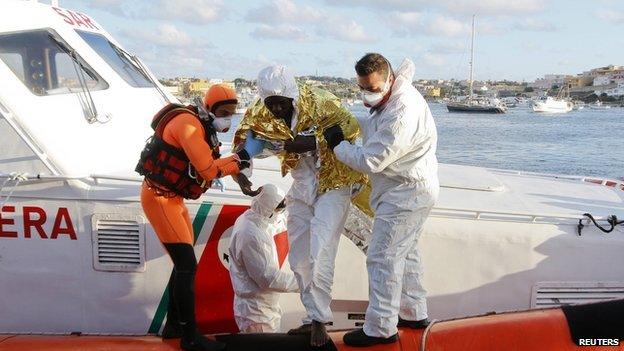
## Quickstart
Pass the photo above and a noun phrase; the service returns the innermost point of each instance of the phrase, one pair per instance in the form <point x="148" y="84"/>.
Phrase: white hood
<point x="265" y="203"/>
<point x="277" y="81"/>
<point x="404" y="75"/>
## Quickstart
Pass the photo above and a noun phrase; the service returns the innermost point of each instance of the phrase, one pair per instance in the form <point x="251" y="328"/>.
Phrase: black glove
<point x="244" y="158"/>
<point x="245" y="185"/>
<point x="301" y="144"/>
<point x="333" y="135"/>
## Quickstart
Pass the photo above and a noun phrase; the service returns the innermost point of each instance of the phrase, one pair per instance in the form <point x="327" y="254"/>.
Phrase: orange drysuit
<point x="168" y="215"/>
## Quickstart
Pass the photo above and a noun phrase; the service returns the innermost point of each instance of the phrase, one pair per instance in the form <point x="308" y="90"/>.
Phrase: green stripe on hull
<point x="161" y="310"/>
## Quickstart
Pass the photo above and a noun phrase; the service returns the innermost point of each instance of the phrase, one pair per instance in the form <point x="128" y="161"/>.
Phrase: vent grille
<point x="554" y="294"/>
<point x="118" y="243"/>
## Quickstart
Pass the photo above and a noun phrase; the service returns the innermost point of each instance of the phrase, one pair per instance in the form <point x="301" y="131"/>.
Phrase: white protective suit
<point x="398" y="153"/>
<point x="315" y="222"/>
<point x="254" y="270"/>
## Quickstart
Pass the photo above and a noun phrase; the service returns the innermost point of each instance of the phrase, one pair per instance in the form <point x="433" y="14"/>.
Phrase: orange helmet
<point x="217" y="95"/>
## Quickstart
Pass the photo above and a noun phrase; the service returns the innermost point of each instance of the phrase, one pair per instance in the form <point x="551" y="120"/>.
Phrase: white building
<point x="615" y="92"/>
<point x="602" y="80"/>
<point x="548" y="81"/>
<point x="174" y="90"/>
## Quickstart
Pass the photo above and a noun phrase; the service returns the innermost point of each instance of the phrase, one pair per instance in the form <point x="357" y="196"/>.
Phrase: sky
<point x="515" y="39"/>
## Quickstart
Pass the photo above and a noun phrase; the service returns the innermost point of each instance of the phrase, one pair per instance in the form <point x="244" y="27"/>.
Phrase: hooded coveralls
<point x="398" y="154"/>
<point x="254" y="269"/>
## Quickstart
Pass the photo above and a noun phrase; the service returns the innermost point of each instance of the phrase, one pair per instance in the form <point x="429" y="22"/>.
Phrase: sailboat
<point x="472" y="104"/>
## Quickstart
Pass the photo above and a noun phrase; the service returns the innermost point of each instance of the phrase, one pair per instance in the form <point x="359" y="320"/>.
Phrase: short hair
<point x="373" y="62"/>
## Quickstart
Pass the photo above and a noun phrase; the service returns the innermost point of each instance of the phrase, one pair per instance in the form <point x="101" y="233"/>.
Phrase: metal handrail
<point x="95" y="177"/>
<point x="531" y="217"/>
<point x="478" y="214"/>
<point x="588" y="179"/>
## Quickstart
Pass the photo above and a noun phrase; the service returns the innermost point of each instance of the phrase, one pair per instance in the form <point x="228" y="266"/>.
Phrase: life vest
<point x="165" y="167"/>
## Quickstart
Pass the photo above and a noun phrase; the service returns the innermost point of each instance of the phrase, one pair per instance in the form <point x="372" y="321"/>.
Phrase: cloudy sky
<point x="516" y="39"/>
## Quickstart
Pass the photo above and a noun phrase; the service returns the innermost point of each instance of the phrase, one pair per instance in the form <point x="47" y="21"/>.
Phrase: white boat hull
<point x="552" y="106"/>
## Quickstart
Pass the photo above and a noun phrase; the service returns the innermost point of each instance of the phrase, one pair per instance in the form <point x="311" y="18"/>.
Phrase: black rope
<point x="612" y="220"/>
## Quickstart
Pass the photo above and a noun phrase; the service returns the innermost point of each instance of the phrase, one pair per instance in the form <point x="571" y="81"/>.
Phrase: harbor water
<point x="581" y="142"/>
<point x="584" y="142"/>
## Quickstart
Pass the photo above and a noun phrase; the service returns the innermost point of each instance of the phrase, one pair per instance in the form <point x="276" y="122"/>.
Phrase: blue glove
<point x="253" y="146"/>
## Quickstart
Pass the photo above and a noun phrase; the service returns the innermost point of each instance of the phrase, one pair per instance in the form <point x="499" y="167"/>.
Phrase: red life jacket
<point x="166" y="167"/>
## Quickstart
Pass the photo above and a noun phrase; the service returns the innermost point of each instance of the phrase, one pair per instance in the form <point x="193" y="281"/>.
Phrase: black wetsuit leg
<point x="183" y="282"/>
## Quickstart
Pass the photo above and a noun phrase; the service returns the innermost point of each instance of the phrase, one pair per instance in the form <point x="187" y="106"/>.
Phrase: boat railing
<point x="613" y="183"/>
<point x="96" y="177"/>
<point x="14" y="179"/>
<point x="511" y="216"/>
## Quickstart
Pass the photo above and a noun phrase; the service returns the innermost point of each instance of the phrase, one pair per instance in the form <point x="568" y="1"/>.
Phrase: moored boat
<point x="552" y="105"/>
<point x="477" y="106"/>
<point x="472" y="104"/>
<point x="79" y="257"/>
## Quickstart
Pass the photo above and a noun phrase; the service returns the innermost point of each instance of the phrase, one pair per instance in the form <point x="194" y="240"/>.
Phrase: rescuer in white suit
<point x="398" y="154"/>
<point x="254" y="269"/>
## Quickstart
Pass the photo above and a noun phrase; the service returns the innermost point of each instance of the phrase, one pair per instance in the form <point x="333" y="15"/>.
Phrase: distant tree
<point x="529" y="90"/>
<point x="240" y="82"/>
<point x="446" y="92"/>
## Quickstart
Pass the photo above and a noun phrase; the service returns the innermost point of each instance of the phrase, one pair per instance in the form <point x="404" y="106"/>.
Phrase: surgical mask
<point x="373" y="99"/>
<point x="222" y="124"/>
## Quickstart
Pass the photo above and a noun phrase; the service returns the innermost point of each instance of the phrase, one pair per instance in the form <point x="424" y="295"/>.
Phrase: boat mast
<point x="471" y="58"/>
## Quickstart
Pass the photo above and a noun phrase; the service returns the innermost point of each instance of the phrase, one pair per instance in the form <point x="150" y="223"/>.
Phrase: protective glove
<point x="244" y="161"/>
<point x="333" y="135"/>
<point x="245" y="185"/>
<point x="253" y="146"/>
<point x="301" y="144"/>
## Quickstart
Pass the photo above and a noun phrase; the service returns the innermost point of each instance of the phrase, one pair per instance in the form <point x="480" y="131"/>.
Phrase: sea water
<point x="583" y="142"/>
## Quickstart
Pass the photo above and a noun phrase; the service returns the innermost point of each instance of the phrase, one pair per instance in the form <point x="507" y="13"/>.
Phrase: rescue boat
<point x="77" y="255"/>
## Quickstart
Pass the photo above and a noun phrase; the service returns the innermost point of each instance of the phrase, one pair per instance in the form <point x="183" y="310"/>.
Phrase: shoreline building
<point x="597" y="81"/>
<point x="549" y="81"/>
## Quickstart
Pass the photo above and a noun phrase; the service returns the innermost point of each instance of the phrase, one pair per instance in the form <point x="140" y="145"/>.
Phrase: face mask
<point x="222" y="124"/>
<point x="373" y="99"/>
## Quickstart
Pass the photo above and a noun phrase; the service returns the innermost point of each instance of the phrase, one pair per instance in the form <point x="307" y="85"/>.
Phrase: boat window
<point x="42" y="61"/>
<point x="118" y="59"/>
<point x="14" y="61"/>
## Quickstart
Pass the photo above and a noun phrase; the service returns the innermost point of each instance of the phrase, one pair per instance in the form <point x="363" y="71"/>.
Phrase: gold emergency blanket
<point x="317" y="110"/>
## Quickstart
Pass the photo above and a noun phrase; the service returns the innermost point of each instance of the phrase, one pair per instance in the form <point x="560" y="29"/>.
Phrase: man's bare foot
<point x="318" y="336"/>
<point x="303" y="329"/>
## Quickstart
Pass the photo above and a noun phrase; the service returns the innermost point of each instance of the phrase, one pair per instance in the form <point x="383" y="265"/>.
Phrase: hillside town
<point x="605" y="84"/>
